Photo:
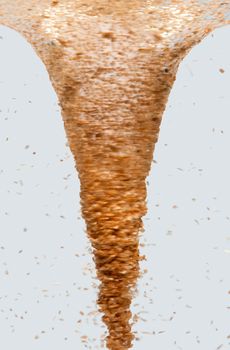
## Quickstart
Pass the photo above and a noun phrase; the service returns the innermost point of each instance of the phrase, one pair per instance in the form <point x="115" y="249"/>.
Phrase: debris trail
<point x="112" y="112"/>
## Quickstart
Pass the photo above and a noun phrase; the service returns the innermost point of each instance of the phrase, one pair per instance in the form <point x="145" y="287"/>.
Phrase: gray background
<point x="47" y="280"/>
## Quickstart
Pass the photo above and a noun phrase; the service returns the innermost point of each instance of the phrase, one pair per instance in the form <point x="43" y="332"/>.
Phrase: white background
<point x="47" y="279"/>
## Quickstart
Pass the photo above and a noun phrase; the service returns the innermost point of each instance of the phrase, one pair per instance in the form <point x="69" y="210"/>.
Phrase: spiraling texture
<point x="112" y="64"/>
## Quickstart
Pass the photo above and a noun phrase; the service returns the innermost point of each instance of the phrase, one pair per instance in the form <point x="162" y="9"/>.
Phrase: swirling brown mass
<point x="112" y="64"/>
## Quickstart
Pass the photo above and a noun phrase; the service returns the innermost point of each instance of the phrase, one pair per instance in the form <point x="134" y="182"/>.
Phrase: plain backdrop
<point x="48" y="288"/>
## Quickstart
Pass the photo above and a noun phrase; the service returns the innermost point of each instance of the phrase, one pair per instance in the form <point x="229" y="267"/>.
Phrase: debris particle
<point x="219" y="347"/>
